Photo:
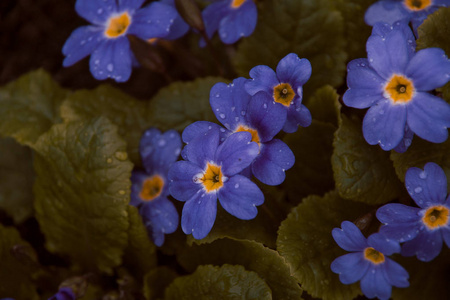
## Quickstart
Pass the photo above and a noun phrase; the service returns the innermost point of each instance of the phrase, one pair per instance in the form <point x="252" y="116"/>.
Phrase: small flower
<point x="210" y="172"/>
<point x="232" y="18"/>
<point x="368" y="262"/>
<point x="425" y="228"/>
<point x="391" y="11"/>
<point x="286" y="88"/>
<point x="64" y="293"/>
<point x="150" y="189"/>
<point x="393" y="82"/>
<point x="106" y="40"/>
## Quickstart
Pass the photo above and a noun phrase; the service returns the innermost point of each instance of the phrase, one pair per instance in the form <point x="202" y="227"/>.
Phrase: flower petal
<point x="240" y="22"/>
<point x="270" y="165"/>
<point x="394" y="213"/>
<point x="182" y="186"/>
<point x="361" y="76"/>
<point x="374" y="284"/>
<point x="384" y="124"/>
<point x="350" y="267"/>
<point x="96" y="12"/>
<point x="429" y="69"/>
<point x="200" y="128"/>
<point x="137" y="177"/>
<point x="199" y="214"/>
<point x="401" y="232"/>
<point x="203" y="148"/>
<point x="112" y="59"/>
<point x="385" y="11"/>
<point x="349" y="237"/>
<point x="395" y="274"/>
<point x="263" y="79"/>
<point x="239" y="196"/>
<point x="429" y="117"/>
<point x="382" y="243"/>
<point x="293" y="70"/>
<point x="406" y="140"/>
<point x="362" y="98"/>
<point x="129" y="5"/>
<point x="297" y="115"/>
<point x="427" y="187"/>
<point x="213" y="14"/>
<point x="81" y="43"/>
<point x="426" y="246"/>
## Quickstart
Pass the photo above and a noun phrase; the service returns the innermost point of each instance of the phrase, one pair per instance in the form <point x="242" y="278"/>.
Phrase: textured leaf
<point x="312" y="173"/>
<point x="362" y="172"/>
<point x="140" y="255"/>
<point x="324" y="105"/>
<point x="16" y="180"/>
<point x="311" y="29"/>
<point x="130" y="115"/>
<point x="421" y="152"/>
<point x="182" y="103"/>
<point x="15" y="276"/>
<point x="29" y="106"/>
<point x="82" y="190"/>
<point x="156" y="281"/>
<point x="226" y="282"/>
<point x="267" y="263"/>
<point x="305" y="241"/>
<point x="435" y="30"/>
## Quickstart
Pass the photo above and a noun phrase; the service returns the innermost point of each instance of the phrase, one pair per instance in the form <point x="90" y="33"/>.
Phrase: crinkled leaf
<point x="324" y="105"/>
<point x="156" y="281"/>
<point x="182" y="103"/>
<point x="130" y="115"/>
<point x="362" y="172"/>
<point x="225" y="282"/>
<point x="305" y="241"/>
<point x="82" y="189"/>
<point x="435" y="30"/>
<point x="16" y="180"/>
<point x="267" y="263"/>
<point x="261" y="229"/>
<point x="29" y="106"/>
<point x="15" y="275"/>
<point x="421" y="152"/>
<point x="140" y="255"/>
<point x="312" y="173"/>
<point x="311" y="29"/>
<point x="427" y="280"/>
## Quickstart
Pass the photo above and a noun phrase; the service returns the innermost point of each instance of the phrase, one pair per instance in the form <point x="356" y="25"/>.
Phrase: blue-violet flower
<point x="393" y="82"/>
<point x="368" y="262"/>
<point x="425" y="228"/>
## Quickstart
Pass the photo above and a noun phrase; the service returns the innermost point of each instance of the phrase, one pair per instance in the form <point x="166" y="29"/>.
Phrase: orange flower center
<point x="151" y="188"/>
<point x="400" y="89"/>
<point x="417" y="4"/>
<point x="373" y="255"/>
<point x="253" y="132"/>
<point x="436" y="216"/>
<point x="118" y="25"/>
<point x="284" y="94"/>
<point x="237" y="3"/>
<point x="212" y="178"/>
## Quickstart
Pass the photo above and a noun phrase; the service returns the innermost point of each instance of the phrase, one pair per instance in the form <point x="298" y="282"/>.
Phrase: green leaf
<point x="130" y="115"/>
<point x="267" y="263"/>
<point x="435" y="30"/>
<point x="156" y="281"/>
<point x="428" y="280"/>
<point x="15" y="275"/>
<point x="362" y="172"/>
<point x="29" y="106"/>
<point x="226" y="282"/>
<point x="140" y="255"/>
<point x="312" y="173"/>
<point x="182" y="103"/>
<point x="324" y="105"/>
<point x="82" y="189"/>
<point x="305" y="241"/>
<point x="421" y="152"/>
<point x="311" y="29"/>
<point x="16" y="180"/>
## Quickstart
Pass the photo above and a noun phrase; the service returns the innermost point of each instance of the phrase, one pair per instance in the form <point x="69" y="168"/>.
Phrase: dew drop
<point x="109" y="160"/>
<point x="222" y="116"/>
<point x="265" y="105"/>
<point x="418" y="189"/>
<point x="122" y="192"/>
<point x="209" y="127"/>
<point x="177" y="151"/>
<point x="217" y="95"/>
<point x="99" y="11"/>
<point x="222" y="129"/>
<point x="423" y="175"/>
<point x="236" y="119"/>
<point x="162" y="143"/>
<point x="197" y="178"/>
<point x="121" y="155"/>
<point x="110" y="67"/>
<point x="236" y="185"/>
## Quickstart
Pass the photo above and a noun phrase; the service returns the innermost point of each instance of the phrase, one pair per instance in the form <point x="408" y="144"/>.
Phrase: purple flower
<point x="64" y="293"/>
<point x="391" y="11"/>
<point x="393" y="82"/>
<point x="150" y="189"/>
<point x="425" y="228"/>
<point x="232" y="18"/>
<point x="259" y="115"/>
<point x="106" y="40"/>
<point x="179" y="26"/>
<point x="286" y="88"/>
<point x="368" y="262"/>
<point x="210" y="172"/>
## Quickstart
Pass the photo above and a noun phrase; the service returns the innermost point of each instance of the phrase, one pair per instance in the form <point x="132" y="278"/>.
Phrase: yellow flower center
<point x="417" y="4"/>
<point x="152" y="41"/>
<point x="212" y="178"/>
<point x="118" y="25"/>
<point x="436" y="216"/>
<point x="373" y="255"/>
<point x="283" y="93"/>
<point x="400" y="89"/>
<point x="151" y="188"/>
<point x="237" y="3"/>
<point x="253" y="132"/>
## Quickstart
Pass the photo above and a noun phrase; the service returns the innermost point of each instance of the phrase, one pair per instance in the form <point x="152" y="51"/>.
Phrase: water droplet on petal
<point x="222" y="116"/>
<point x="418" y="189"/>
<point x="265" y="105"/>
<point x="162" y="142"/>
<point x="110" y="67"/>
<point x="236" y="185"/>
<point x="423" y="174"/>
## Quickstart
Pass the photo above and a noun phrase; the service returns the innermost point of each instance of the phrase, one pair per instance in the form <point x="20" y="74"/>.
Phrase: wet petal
<point x="264" y="79"/>
<point x="426" y="246"/>
<point x="381" y="243"/>
<point x="240" y="22"/>
<point x="199" y="214"/>
<point x="96" y="12"/>
<point x="181" y="177"/>
<point x="297" y="115"/>
<point x="212" y="15"/>
<point x="153" y="21"/>
<point x="395" y="274"/>
<point x="385" y="11"/>
<point x="129" y="5"/>
<point x="393" y="213"/>
<point x="293" y="70"/>
<point x="350" y="267"/>
<point x="200" y="128"/>
<point x="349" y="237"/>
<point x="203" y="148"/>
<point x="374" y="284"/>
<point x="81" y="43"/>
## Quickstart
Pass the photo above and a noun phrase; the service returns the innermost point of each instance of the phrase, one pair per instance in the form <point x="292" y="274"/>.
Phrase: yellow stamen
<point x="118" y="25"/>
<point x="212" y="178"/>
<point x="373" y="255"/>
<point x="400" y="89"/>
<point x="151" y="188"/>
<point x="417" y="4"/>
<point x="436" y="216"/>
<point x="237" y="3"/>
<point x="254" y="133"/>
<point x="284" y="94"/>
